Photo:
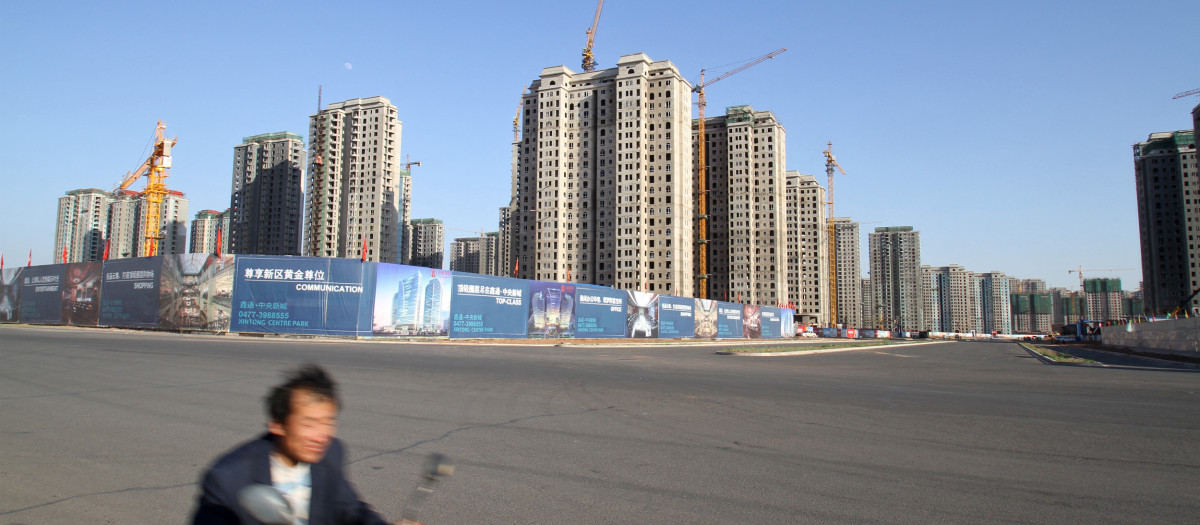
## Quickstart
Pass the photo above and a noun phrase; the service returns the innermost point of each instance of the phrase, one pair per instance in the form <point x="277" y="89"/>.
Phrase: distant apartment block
<point x="1165" y="174"/>
<point x="208" y="227"/>
<point x="267" y="201"/>
<point x="604" y="190"/>
<point x="847" y="251"/>
<point x="1103" y="298"/>
<point x="1032" y="306"/>
<point x="870" y="319"/>
<point x="896" y="277"/>
<point x="124" y="219"/>
<point x="428" y="241"/>
<point x="354" y="181"/>
<point x="476" y="254"/>
<point x="995" y="302"/>
<point x="806" y="254"/>
<point x="82" y="227"/>
<point x="745" y="191"/>
<point x="405" y="246"/>
<point x="950" y="299"/>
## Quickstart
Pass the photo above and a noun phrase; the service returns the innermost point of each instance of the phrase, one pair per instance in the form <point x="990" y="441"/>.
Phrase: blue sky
<point x="1001" y="131"/>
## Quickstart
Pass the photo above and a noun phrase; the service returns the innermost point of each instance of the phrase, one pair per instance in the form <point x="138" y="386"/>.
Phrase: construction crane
<point x="589" y="62"/>
<point x="830" y="163"/>
<point x="1186" y="94"/>
<point x="517" y="117"/>
<point x="702" y="167"/>
<point x="1081" y="271"/>
<point x="408" y="164"/>
<point x="155" y="168"/>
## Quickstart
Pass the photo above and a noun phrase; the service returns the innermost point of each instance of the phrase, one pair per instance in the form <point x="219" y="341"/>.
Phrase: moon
<point x="348" y="66"/>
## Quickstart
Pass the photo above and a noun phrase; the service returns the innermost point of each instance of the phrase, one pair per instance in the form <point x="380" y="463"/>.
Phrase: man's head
<point x="302" y="414"/>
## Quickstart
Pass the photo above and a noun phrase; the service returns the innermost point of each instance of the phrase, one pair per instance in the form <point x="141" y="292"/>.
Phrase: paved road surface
<point x="102" y="426"/>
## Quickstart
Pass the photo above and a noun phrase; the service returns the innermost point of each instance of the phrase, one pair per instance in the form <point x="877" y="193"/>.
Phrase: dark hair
<point x="310" y="378"/>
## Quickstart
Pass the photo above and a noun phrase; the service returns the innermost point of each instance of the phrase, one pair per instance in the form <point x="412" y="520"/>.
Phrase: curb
<point x="827" y="350"/>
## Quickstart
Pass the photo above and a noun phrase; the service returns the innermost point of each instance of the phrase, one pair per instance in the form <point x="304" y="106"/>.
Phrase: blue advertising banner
<point x="729" y="320"/>
<point x="488" y="306"/>
<point x="41" y="294"/>
<point x="600" y="312"/>
<point x="130" y="297"/>
<point x="303" y="295"/>
<point x="195" y="292"/>
<point x="706" y="318"/>
<point x="641" y="315"/>
<point x="675" y="317"/>
<point x="771" y="322"/>
<point x="787" y="323"/>
<point x="411" y="301"/>
<point x="552" y="310"/>
<point x="81" y="293"/>
<point x="10" y="295"/>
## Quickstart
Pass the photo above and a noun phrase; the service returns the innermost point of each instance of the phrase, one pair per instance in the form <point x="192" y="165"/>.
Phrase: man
<point x="298" y="455"/>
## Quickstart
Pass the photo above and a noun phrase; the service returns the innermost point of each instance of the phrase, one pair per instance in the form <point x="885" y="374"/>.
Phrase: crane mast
<point x="831" y="231"/>
<point x="702" y="167"/>
<point x="155" y="168"/>
<point x="589" y="61"/>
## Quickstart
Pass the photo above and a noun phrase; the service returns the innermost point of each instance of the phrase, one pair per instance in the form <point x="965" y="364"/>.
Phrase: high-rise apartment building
<point x="896" y="276"/>
<point x="475" y="254"/>
<point x="746" y="204"/>
<point x="995" y="302"/>
<point x="848" y="258"/>
<point x="870" y="318"/>
<point x="1165" y="173"/>
<point x="354" y="181"/>
<point x="950" y="300"/>
<point x="405" y="247"/>
<point x="1103" y="298"/>
<point x="82" y="225"/>
<point x="806" y="250"/>
<point x="172" y="230"/>
<point x="208" y="227"/>
<point x="504" y="252"/>
<point x="267" y="201"/>
<point x="428" y="242"/>
<point x="1032" y="306"/>
<point x="604" y="189"/>
<point x="124" y="220"/>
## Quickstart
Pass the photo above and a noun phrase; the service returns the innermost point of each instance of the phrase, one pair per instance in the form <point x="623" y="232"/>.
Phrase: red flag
<point x="1" y="262"/>
<point x="568" y="274"/>
<point x="364" y="250"/>
<point x="30" y="262"/>
<point x="64" y="254"/>
<point x="516" y="266"/>
<point x="107" y="242"/>
<point x="739" y="297"/>
<point x="218" y="241"/>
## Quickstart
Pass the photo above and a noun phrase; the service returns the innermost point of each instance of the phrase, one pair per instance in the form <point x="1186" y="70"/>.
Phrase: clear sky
<point x="1002" y="131"/>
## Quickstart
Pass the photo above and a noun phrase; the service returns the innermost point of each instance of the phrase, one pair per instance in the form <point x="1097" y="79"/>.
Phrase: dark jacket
<point x="333" y="500"/>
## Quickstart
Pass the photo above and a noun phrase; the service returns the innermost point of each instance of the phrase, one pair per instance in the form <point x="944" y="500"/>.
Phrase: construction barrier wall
<point x="347" y="297"/>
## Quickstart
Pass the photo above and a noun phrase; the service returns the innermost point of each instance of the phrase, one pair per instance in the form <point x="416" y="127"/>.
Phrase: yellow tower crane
<point x="830" y="163"/>
<point x="589" y="61"/>
<point x="702" y="167"/>
<point x="155" y="168"/>
<point x="1081" y="270"/>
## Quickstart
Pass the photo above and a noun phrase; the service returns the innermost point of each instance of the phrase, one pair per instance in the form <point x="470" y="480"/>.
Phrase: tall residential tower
<point x="267" y="201"/>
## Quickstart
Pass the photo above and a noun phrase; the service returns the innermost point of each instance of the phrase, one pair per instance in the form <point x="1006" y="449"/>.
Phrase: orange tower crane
<point x="155" y="168"/>
<point x="830" y="163"/>
<point x="589" y="61"/>
<point x="702" y="167"/>
<point x="1081" y="271"/>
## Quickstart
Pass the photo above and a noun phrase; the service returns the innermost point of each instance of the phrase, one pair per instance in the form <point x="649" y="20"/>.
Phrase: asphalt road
<point x="102" y="426"/>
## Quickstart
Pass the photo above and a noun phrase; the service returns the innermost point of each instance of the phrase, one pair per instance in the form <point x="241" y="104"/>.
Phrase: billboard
<point x="641" y="315"/>
<point x="195" y="292"/>
<point x="675" y="317"/>
<point x="772" y="322"/>
<point x="706" y="318"/>
<point x="411" y="301"/>
<point x="752" y="321"/>
<point x="10" y="295"/>
<point x="81" y="293"/>
<point x="303" y="295"/>
<point x="130" y="297"/>
<point x="487" y="306"/>
<point x="41" y="296"/>
<point x="600" y="312"/>
<point x="552" y="310"/>
<point x="729" y="320"/>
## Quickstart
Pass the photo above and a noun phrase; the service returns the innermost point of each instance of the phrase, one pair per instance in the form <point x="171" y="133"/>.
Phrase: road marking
<point x="895" y="355"/>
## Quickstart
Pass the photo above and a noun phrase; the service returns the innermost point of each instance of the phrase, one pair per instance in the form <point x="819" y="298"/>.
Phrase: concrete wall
<point x="1176" y="336"/>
